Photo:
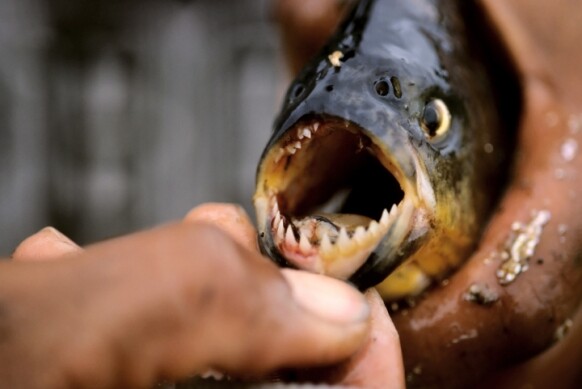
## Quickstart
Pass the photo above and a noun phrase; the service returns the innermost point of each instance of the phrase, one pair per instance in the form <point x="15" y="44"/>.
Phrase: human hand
<point x="165" y="304"/>
<point x="376" y="365"/>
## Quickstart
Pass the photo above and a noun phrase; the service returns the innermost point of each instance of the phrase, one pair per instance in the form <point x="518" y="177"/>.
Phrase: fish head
<point x="364" y="160"/>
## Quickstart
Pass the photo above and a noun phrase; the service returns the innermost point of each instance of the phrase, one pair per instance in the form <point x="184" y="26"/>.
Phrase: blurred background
<point x="115" y="116"/>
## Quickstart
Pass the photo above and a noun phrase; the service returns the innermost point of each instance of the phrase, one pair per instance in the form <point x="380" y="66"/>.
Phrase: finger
<point x="230" y="218"/>
<point x="185" y="298"/>
<point x="46" y="245"/>
<point x="377" y="365"/>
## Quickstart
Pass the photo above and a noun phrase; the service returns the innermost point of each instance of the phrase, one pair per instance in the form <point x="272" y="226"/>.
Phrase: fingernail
<point x="328" y="298"/>
<point x="47" y="244"/>
<point x="57" y="235"/>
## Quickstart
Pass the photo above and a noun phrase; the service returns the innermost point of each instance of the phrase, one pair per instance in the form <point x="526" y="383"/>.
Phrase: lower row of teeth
<point x="329" y="244"/>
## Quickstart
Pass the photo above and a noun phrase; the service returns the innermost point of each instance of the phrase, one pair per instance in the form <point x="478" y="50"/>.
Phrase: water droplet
<point x="563" y="330"/>
<point x="569" y="149"/>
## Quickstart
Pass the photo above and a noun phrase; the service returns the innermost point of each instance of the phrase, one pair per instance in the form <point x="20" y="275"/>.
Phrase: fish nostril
<point x="329" y="88"/>
<point x="396" y="86"/>
<point x="382" y="87"/>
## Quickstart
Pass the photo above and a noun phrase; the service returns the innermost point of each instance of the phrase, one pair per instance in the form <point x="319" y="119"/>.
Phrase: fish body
<point x="382" y="165"/>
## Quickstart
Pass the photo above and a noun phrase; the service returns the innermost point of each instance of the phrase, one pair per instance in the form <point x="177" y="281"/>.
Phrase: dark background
<point x="115" y="116"/>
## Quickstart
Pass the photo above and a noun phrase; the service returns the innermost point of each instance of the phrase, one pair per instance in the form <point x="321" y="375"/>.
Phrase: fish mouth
<point x="330" y="196"/>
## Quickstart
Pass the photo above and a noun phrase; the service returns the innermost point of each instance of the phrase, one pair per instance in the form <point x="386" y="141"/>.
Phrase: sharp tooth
<point x="344" y="239"/>
<point x="315" y="126"/>
<point x="374" y="227"/>
<point x="291" y="149"/>
<point x="289" y="236"/>
<point x="385" y="218"/>
<point x="297" y="145"/>
<point x="394" y="209"/>
<point x="300" y="133"/>
<point x="277" y="218"/>
<point x="281" y="230"/>
<point x="307" y="133"/>
<point x="325" y="244"/>
<point x="280" y="153"/>
<point x="360" y="234"/>
<point x="304" y="244"/>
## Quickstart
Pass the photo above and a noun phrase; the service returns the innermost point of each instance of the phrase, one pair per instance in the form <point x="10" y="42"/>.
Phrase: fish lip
<point x="384" y="253"/>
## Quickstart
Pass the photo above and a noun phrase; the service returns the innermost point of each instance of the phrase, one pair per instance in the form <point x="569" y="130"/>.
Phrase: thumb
<point x="259" y="321"/>
<point x="185" y="298"/>
<point x="314" y="321"/>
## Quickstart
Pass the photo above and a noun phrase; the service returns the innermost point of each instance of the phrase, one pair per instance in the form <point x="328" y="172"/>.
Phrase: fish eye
<point x="435" y="120"/>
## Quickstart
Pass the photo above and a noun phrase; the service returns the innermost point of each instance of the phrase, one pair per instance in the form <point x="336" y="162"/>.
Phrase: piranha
<point x="384" y="160"/>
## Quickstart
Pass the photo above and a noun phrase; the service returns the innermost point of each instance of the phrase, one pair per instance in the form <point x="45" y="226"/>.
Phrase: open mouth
<point x="328" y="195"/>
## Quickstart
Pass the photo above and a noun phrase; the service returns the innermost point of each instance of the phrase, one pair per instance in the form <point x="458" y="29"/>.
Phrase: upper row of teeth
<point x="302" y="135"/>
<point x="343" y="244"/>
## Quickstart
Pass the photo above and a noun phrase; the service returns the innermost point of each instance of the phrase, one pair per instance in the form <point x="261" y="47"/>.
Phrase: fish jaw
<point x="299" y="232"/>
